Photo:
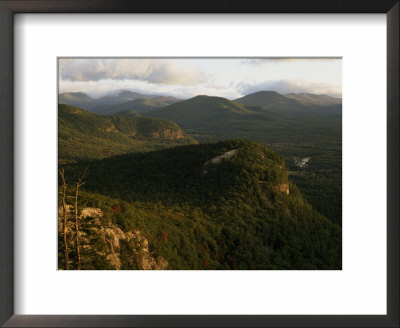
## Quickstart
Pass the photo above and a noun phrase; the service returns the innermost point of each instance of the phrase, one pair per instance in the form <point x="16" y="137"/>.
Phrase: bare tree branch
<point x="78" y="184"/>
<point x="64" y="205"/>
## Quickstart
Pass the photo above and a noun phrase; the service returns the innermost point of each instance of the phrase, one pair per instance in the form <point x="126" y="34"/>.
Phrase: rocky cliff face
<point x="119" y="249"/>
<point x="111" y="128"/>
<point x="284" y="187"/>
<point x="226" y="155"/>
<point x="168" y="134"/>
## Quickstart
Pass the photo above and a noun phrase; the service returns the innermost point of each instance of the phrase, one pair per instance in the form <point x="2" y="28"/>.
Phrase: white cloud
<point x="158" y="71"/>
<point x="290" y="86"/>
<point x="184" y="78"/>
<point x="258" y="62"/>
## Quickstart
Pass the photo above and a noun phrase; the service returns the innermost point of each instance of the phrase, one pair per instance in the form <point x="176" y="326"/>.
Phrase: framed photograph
<point x="203" y="164"/>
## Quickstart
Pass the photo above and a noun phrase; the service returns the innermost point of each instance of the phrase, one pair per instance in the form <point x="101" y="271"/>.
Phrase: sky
<point x="188" y="77"/>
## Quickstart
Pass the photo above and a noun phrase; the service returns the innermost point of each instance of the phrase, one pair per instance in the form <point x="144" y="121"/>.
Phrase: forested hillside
<point x="225" y="205"/>
<point x="84" y="135"/>
<point x="296" y="126"/>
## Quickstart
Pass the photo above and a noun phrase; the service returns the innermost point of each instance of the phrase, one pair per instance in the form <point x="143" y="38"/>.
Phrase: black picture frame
<point x="10" y="7"/>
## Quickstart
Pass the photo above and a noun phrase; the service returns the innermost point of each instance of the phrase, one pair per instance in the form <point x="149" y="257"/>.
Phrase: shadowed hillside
<point x="238" y="211"/>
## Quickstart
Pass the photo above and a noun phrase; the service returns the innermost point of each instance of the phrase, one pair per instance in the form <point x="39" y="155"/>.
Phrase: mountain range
<point x="116" y="101"/>
<point x="292" y="101"/>
<point x="124" y="100"/>
<point x="265" y="116"/>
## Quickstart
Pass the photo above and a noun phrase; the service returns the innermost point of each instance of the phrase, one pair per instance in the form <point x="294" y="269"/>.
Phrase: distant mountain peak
<point x="268" y="99"/>
<point x="208" y="98"/>
<point x="202" y="97"/>
<point x="265" y="92"/>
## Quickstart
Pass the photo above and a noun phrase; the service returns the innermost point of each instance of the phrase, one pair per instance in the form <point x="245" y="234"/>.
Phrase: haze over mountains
<point x="124" y="100"/>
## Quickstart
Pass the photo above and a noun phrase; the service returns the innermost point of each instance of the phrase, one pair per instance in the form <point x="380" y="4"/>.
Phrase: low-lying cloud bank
<point x="291" y="86"/>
